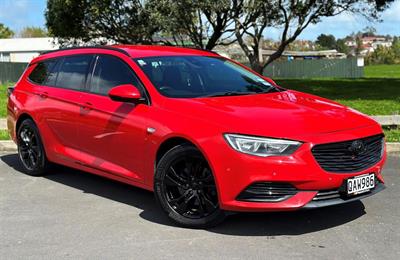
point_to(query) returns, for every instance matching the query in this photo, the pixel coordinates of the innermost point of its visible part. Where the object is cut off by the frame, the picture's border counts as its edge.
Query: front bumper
(235, 171)
(336, 201)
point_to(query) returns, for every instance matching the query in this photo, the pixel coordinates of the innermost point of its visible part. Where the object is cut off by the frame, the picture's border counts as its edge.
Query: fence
(335, 68)
(11, 71)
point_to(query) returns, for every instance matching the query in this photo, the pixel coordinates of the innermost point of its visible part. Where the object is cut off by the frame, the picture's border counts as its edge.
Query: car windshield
(201, 76)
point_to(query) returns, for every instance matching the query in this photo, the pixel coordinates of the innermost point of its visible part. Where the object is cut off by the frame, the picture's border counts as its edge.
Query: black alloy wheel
(185, 188)
(30, 149)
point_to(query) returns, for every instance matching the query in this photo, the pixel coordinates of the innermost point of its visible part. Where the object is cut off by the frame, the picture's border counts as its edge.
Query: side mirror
(125, 93)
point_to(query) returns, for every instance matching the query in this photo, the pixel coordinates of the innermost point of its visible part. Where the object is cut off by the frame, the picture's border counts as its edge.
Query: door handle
(44, 95)
(87, 106)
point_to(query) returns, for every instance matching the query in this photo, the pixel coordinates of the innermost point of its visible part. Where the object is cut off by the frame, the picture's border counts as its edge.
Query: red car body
(93, 133)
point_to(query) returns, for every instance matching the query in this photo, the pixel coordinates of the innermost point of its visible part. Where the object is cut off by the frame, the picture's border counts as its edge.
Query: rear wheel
(30, 149)
(185, 188)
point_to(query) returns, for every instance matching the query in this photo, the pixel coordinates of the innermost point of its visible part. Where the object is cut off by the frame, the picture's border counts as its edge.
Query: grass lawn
(372, 96)
(3, 99)
(392, 135)
(4, 135)
(382, 71)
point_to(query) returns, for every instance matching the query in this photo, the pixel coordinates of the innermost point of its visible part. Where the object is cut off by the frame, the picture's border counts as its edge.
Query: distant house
(326, 54)
(24, 49)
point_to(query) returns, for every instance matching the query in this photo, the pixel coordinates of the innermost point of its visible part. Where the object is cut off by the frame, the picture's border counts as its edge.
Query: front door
(112, 134)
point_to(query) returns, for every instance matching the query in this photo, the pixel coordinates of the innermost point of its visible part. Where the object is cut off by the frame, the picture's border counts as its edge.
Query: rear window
(73, 71)
(41, 71)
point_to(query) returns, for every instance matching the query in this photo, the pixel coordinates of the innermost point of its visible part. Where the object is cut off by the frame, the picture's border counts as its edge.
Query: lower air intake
(267, 192)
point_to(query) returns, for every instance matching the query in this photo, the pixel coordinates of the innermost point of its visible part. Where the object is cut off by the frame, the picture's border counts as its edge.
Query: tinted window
(72, 72)
(196, 76)
(52, 75)
(41, 71)
(110, 72)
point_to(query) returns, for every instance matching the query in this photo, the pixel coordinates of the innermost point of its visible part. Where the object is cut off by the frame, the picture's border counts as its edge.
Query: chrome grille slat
(336, 157)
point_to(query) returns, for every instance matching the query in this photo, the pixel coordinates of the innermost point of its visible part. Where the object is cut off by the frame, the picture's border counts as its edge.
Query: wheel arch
(168, 144)
(23, 116)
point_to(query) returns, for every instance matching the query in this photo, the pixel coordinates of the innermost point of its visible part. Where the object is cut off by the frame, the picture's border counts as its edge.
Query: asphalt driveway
(74, 215)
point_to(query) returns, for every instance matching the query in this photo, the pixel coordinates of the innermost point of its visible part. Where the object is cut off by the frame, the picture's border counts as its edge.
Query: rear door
(112, 134)
(59, 99)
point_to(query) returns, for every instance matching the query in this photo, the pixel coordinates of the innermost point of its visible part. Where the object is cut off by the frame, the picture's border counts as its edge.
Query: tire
(30, 149)
(185, 189)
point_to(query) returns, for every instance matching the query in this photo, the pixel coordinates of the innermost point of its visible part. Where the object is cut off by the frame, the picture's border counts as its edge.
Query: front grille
(349, 156)
(267, 192)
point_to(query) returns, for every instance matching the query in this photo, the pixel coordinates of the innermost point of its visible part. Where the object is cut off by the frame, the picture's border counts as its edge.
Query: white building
(25, 49)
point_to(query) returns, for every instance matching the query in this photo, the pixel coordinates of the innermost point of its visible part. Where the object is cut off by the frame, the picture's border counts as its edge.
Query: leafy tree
(369, 31)
(326, 41)
(396, 47)
(204, 24)
(292, 17)
(100, 20)
(341, 46)
(5, 32)
(33, 32)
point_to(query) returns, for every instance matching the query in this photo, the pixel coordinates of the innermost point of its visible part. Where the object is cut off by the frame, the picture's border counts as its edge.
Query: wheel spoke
(189, 187)
(32, 159)
(176, 175)
(201, 206)
(181, 208)
(170, 181)
(208, 204)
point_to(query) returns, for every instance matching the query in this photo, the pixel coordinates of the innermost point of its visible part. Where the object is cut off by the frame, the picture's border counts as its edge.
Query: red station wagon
(203, 132)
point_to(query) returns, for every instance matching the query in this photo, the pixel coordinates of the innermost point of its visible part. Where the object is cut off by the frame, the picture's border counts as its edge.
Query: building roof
(325, 53)
(28, 44)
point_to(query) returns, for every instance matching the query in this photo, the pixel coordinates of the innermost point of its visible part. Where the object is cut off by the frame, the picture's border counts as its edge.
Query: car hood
(286, 114)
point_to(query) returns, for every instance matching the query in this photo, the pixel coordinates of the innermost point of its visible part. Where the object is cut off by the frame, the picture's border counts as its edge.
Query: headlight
(261, 146)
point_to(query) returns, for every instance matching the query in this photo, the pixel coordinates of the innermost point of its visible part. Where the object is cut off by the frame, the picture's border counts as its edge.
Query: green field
(3, 99)
(4, 135)
(382, 71)
(376, 94)
(373, 96)
(392, 135)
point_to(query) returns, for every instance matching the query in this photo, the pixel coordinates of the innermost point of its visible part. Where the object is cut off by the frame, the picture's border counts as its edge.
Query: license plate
(360, 184)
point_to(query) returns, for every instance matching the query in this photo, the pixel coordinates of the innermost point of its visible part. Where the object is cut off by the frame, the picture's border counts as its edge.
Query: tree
(292, 17)
(326, 41)
(396, 47)
(369, 31)
(100, 21)
(5, 32)
(341, 46)
(201, 23)
(32, 32)
(193, 22)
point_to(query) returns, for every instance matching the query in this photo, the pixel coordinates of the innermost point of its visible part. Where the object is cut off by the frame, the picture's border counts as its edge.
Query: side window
(52, 76)
(109, 72)
(72, 72)
(41, 71)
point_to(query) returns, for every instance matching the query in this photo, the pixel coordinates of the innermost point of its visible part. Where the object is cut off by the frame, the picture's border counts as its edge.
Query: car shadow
(239, 224)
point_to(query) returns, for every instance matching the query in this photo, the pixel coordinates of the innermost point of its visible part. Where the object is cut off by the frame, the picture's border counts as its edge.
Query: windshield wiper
(229, 93)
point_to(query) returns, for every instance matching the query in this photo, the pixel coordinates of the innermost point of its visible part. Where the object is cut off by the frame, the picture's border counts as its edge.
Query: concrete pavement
(74, 215)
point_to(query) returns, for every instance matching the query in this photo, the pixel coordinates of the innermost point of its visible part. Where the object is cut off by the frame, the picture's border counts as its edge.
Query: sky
(17, 14)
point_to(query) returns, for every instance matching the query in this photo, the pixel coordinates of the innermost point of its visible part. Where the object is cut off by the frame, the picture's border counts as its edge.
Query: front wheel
(184, 187)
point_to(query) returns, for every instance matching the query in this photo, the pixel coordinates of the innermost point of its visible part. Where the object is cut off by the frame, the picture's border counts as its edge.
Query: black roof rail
(199, 49)
(90, 47)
